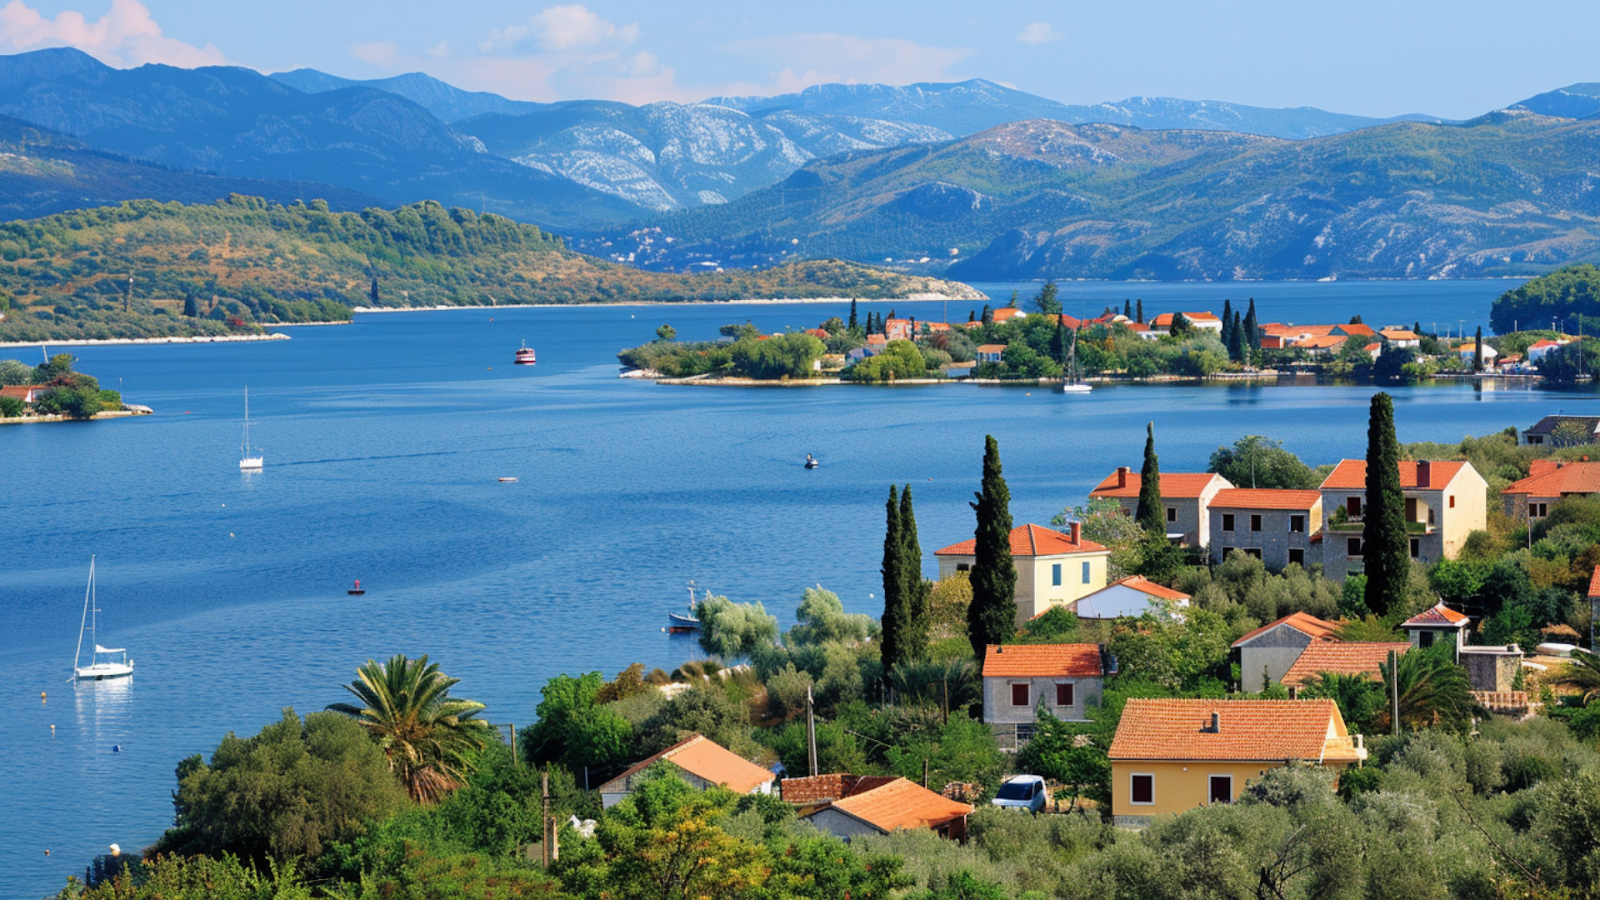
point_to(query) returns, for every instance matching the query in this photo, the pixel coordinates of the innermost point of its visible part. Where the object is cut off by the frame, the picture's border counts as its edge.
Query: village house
(991, 353)
(1020, 679)
(1538, 350)
(848, 806)
(1267, 653)
(1185, 500)
(898, 329)
(1444, 502)
(1276, 526)
(1469, 352)
(1200, 321)
(1170, 756)
(1006, 314)
(1132, 596)
(1437, 624)
(1548, 483)
(1325, 657)
(1401, 337)
(1321, 345)
(1053, 569)
(701, 762)
(1562, 431)
(27, 393)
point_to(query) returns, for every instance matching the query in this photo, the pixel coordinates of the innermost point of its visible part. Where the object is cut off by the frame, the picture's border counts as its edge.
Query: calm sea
(384, 441)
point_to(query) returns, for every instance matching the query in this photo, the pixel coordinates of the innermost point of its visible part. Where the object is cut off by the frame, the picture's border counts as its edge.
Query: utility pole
(1394, 693)
(127, 295)
(811, 733)
(551, 851)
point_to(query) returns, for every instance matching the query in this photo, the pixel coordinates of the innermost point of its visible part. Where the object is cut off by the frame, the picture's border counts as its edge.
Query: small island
(52, 392)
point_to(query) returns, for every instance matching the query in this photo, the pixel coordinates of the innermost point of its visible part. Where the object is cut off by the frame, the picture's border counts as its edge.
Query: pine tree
(1227, 324)
(1149, 513)
(1477, 350)
(992, 617)
(1356, 319)
(988, 315)
(893, 621)
(1252, 331)
(1386, 545)
(852, 325)
(1141, 309)
(914, 591)
(1046, 301)
(1013, 303)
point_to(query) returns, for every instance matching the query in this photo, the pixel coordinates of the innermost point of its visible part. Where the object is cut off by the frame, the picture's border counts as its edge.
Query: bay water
(384, 442)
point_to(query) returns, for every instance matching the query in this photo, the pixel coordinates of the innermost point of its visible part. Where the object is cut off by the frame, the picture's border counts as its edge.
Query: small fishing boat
(249, 461)
(358, 590)
(508, 478)
(525, 356)
(679, 623)
(811, 461)
(116, 663)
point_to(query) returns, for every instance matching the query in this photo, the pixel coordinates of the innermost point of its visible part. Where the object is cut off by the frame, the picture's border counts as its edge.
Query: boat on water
(679, 622)
(358, 590)
(104, 662)
(1074, 383)
(250, 460)
(811, 461)
(508, 478)
(525, 356)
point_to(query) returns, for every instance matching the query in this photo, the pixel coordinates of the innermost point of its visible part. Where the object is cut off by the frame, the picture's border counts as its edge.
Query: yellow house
(1175, 755)
(1053, 569)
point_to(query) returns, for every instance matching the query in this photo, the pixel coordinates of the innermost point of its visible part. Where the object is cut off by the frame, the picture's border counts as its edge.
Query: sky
(1369, 57)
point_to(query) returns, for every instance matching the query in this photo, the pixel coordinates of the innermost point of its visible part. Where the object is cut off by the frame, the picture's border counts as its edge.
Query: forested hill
(238, 263)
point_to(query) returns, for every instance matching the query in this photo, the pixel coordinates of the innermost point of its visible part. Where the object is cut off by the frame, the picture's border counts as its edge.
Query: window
(1297, 556)
(1537, 510)
(1253, 551)
(1085, 573)
(1143, 789)
(1055, 574)
(1227, 521)
(1452, 502)
(1255, 522)
(1352, 547)
(1172, 514)
(963, 567)
(1353, 506)
(1221, 790)
(1414, 548)
(1025, 732)
(1019, 694)
(1297, 524)
(1063, 694)
(1424, 639)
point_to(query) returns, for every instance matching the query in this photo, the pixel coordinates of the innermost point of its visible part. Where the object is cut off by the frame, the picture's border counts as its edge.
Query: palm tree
(1360, 699)
(428, 736)
(952, 683)
(1433, 690)
(1582, 672)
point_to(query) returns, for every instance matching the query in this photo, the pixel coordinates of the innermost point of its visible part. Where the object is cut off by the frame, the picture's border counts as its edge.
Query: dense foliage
(68, 393)
(1568, 296)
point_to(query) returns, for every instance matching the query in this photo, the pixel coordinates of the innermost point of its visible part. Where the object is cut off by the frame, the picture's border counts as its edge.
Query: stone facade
(1277, 537)
(1442, 512)
(1492, 668)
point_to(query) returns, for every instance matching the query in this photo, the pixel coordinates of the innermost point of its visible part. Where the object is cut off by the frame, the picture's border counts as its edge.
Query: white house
(700, 761)
(1132, 596)
(1053, 569)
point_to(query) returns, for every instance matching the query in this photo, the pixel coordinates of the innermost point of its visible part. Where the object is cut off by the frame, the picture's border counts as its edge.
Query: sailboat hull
(103, 671)
(250, 464)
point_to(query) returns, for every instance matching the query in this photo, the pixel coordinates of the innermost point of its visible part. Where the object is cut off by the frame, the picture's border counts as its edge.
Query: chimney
(1424, 473)
(1216, 722)
(1077, 532)
(1122, 476)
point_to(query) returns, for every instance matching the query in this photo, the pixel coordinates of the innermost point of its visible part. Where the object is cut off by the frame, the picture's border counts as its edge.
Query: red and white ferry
(525, 356)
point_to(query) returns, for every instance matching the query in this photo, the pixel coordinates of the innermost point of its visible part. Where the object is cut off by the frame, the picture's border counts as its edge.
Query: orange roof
(1553, 479)
(1323, 342)
(1177, 485)
(22, 391)
(1265, 498)
(1145, 586)
(1253, 730)
(1594, 583)
(1351, 474)
(1007, 313)
(1305, 623)
(812, 789)
(902, 804)
(1398, 334)
(991, 348)
(1165, 319)
(705, 759)
(877, 339)
(1340, 658)
(1356, 329)
(1042, 661)
(1029, 540)
(1436, 616)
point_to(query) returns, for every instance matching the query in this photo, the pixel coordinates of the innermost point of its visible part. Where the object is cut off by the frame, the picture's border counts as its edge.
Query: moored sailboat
(248, 462)
(116, 663)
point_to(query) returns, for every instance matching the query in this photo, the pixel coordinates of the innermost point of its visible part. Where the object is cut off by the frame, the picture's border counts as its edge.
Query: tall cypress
(1386, 547)
(1416, 327)
(988, 315)
(972, 315)
(1227, 322)
(852, 325)
(1252, 331)
(191, 308)
(1141, 309)
(914, 591)
(893, 621)
(1058, 342)
(1235, 339)
(1149, 513)
(1477, 350)
(1127, 309)
(992, 617)
(373, 293)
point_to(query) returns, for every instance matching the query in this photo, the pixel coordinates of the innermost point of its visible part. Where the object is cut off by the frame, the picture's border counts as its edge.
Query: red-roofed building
(1185, 500)
(1200, 321)
(1019, 678)
(1170, 756)
(1548, 483)
(1007, 313)
(1538, 350)
(1275, 526)
(1400, 337)
(871, 806)
(897, 329)
(1327, 657)
(1267, 653)
(1435, 624)
(1053, 569)
(700, 761)
(990, 353)
(27, 393)
(1445, 501)
(1132, 596)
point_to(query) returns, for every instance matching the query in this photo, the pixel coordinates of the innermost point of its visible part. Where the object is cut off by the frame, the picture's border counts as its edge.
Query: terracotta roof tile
(1041, 661)
(1007, 313)
(1548, 478)
(991, 348)
(1265, 498)
(1438, 615)
(1357, 329)
(1146, 586)
(1304, 623)
(1323, 342)
(902, 804)
(704, 758)
(1029, 540)
(1399, 334)
(1253, 730)
(1177, 485)
(828, 788)
(1351, 474)
(1340, 658)
(1594, 583)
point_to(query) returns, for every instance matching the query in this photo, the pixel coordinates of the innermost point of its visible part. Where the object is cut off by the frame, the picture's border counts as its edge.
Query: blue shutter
(1055, 574)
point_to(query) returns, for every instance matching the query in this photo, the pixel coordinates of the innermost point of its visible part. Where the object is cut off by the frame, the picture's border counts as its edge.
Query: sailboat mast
(78, 653)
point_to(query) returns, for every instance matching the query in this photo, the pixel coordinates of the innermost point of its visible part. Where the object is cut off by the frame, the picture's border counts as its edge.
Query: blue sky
(1373, 57)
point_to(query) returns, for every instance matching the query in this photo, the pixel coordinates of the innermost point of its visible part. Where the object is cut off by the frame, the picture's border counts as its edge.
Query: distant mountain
(1575, 101)
(1508, 193)
(44, 172)
(449, 103)
(238, 123)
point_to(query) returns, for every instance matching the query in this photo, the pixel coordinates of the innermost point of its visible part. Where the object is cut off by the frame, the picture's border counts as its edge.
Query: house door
(1221, 789)
(1411, 509)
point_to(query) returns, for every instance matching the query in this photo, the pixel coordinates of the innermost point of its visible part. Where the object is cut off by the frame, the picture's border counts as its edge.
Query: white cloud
(125, 35)
(563, 28)
(376, 53)
(1039, 33)
(807, 59)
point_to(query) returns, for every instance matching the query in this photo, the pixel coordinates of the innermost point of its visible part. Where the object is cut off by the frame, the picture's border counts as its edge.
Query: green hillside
(237, 264)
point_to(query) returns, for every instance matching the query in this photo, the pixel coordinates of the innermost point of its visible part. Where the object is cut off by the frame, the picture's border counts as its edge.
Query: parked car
(1022, 792)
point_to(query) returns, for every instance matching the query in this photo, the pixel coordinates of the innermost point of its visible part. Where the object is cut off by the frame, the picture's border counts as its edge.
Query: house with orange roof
(1437, 624)
(1539, 349)
(1007, 313)
(1445, 501)
(1325, 657)
(991, 353)
(700, 761)
(1469, 351)
(1401, 337)
(897, 329)
(1132, 596)
(848, 806)
(1020, 679)
(1053, 569)
(27, 393)
(1185, 500)
(1170, 756)
(1549, 482)
(1267, 653)
(1276, 526)
(1322, 345)
(1200, 321)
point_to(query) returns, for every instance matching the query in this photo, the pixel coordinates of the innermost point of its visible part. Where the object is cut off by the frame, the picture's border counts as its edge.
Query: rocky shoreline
(200, 339)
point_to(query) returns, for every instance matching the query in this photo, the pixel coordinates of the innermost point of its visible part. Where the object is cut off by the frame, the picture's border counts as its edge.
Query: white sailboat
(1074, 385)
(247, 462)
(116, 663)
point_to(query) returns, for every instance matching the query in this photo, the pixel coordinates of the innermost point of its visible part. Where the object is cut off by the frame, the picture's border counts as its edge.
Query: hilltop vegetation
(245, 261)
(1571, 295)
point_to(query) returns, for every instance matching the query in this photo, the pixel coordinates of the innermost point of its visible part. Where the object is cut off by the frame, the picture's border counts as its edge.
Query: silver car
(1022, 792)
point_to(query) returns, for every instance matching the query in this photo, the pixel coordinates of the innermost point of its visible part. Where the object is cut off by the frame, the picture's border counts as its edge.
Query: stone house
(848, 806)
(1019, 679)
(1444, 502)
(1562, 430)
(1278, 527)
(1437, 624)
(1267, 653)
(1548, 483)
(700, 761)
(1185, 500)
(1053, 569)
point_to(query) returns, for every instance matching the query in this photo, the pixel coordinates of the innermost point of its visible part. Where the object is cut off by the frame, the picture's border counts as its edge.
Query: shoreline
(767, 301)
(1285, 379)
(107, 414)
(203, 339)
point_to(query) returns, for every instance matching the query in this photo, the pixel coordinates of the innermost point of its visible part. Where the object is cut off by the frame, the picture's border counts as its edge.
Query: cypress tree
(1235, 340)
(1477, 350)
(893, 576)
(1386, 547)
(972, 315)
(373, 292)
(1141, 309)
(1127, 309)
(1252, 333)
(988, 315)
(1416, 327)
(191, 308)
(1149, 514)
(852, 325)
(1227, 322)
(1058, 343)
(992, 617)
(914, 591)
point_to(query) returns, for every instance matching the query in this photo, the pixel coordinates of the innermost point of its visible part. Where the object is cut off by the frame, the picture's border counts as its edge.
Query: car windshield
(1015, 791)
